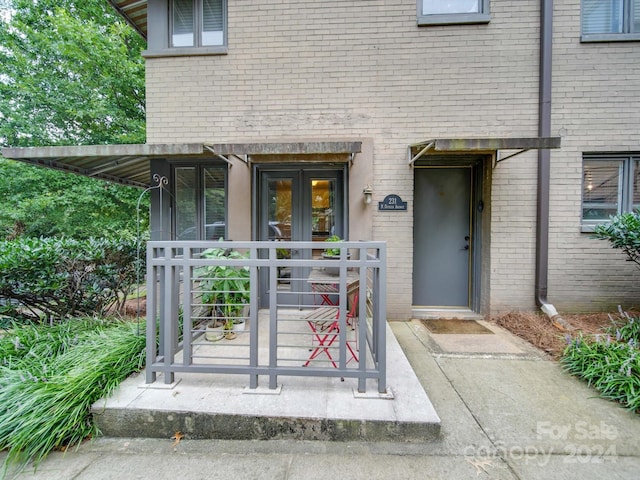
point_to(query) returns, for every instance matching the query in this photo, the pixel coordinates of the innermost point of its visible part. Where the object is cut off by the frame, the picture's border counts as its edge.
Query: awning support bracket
(244, 160)
(421, 152)
(498, 159)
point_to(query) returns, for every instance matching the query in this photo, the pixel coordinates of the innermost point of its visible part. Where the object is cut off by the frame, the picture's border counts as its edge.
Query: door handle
(467, 238)
(466, 247)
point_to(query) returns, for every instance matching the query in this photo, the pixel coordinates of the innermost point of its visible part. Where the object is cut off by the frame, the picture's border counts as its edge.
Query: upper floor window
(197, 23)
(607, 20)
(610, 186)
(439, 12)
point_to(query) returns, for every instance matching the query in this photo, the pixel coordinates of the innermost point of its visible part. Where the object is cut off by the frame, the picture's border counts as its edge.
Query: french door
(298, 204)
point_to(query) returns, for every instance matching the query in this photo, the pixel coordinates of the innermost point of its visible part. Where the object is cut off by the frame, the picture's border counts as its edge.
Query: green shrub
(59, 278)
(623, 232)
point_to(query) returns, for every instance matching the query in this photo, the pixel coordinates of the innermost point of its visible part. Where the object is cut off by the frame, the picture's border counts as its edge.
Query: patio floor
(306, 408)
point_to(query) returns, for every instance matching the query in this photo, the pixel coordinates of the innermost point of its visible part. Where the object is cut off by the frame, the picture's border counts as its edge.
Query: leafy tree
(70, 73)
(37, 202)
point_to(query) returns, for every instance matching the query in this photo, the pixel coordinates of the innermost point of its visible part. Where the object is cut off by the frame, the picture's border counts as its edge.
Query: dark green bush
(623, 232)
(54, 278)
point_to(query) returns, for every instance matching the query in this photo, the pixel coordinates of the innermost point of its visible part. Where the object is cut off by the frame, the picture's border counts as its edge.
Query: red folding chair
(325, 325)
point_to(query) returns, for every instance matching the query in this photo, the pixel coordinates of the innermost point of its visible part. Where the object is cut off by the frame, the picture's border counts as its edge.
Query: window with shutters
(610, 20)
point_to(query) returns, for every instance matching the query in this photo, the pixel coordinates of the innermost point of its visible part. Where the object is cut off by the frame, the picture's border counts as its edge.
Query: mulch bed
(538, 330)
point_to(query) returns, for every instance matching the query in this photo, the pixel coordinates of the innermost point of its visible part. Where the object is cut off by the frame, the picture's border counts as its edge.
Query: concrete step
(216, 406)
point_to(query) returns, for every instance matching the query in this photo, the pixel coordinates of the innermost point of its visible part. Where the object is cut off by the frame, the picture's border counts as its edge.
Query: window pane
(323, 194)
(280, 208)
(600, 189)
(635, 16)
(214, 203)
(182, 28)
(435, 7)
(602, 16)
(186, 221)
(212, 22)
(636, 184)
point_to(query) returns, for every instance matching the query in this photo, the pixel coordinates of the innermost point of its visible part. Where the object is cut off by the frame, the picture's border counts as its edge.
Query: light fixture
(368, 192)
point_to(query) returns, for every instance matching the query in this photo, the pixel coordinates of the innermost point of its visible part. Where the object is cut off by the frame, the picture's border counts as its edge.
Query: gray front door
(442, 237)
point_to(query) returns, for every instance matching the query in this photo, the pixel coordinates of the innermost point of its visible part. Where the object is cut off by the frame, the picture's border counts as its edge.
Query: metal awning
(134, 12)
(481, 145)
(130, 164)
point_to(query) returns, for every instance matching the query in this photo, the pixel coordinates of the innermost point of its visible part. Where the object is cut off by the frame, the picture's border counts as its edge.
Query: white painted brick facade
(354, 69)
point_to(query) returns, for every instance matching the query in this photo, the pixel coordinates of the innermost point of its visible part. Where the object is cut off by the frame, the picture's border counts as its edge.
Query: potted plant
(333, 253)
(226, 293)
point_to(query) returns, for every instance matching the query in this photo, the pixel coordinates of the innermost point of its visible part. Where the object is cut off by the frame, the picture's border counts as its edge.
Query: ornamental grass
(609, 362)
(50, 376)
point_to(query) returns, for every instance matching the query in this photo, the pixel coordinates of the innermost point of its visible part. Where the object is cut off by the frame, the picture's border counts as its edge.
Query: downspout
(544, 157)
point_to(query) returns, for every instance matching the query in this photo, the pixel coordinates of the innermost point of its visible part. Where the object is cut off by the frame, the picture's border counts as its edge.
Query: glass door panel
(280, 195)
(279, 227)
(323, 209)
(298, 205)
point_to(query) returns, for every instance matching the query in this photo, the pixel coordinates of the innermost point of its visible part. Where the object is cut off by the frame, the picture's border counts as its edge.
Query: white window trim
(454, 18)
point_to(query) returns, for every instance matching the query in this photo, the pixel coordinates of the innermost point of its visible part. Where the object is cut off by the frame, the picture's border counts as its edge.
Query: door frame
(301, 172)
(477, 163)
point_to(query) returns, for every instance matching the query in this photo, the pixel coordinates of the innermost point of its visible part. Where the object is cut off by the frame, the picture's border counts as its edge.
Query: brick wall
(596, 108)
(347, 68)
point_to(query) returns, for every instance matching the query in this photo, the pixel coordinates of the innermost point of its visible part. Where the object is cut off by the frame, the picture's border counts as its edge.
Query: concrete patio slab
(307, 408)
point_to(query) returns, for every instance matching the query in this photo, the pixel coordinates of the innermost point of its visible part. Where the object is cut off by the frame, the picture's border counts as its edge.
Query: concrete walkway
(506, 412)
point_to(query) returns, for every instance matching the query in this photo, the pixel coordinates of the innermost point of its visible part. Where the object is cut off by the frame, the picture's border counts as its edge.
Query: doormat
(455, 326)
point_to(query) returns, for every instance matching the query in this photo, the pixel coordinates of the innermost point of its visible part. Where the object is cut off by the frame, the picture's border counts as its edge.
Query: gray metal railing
(316, 324)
